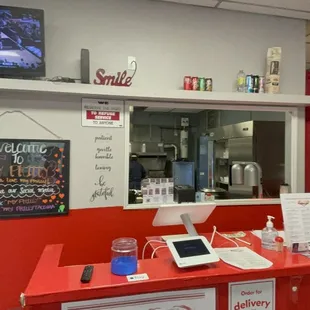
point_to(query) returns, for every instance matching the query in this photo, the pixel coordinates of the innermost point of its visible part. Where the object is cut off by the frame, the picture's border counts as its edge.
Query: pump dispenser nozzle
(269, 223)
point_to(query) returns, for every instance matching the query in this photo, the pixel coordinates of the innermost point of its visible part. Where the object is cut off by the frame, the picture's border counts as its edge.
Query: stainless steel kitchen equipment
(254, 141)
(248, 174)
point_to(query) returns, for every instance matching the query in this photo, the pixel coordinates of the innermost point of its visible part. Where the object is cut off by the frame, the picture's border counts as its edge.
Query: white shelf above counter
(15, 86)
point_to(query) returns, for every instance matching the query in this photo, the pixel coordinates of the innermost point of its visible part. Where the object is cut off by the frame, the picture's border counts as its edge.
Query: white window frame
(294, 145)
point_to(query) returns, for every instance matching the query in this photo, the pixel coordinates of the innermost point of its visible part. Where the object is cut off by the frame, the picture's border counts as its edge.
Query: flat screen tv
(22, 46)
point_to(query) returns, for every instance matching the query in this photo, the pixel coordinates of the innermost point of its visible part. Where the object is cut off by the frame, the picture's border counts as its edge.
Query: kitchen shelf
(151, 154)
(15, 86)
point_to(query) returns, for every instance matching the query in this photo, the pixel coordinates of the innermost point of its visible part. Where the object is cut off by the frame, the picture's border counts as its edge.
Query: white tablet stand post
(188, 224)
(187, 214)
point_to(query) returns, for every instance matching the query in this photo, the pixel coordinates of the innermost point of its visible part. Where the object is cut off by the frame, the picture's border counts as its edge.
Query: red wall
(87, 235)
(307, 150)
(307, 146)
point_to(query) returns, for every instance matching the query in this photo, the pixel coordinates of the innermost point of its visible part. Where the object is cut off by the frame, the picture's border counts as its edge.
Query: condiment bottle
(279, 244)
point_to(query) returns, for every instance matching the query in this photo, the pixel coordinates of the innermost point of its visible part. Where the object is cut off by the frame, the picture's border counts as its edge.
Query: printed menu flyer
(296, 215)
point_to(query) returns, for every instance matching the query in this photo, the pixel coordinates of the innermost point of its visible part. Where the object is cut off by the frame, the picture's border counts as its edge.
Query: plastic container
(124, 256)
(143, 148)
(269, 235)
(241, 81)
(279, 244)
(284, 188)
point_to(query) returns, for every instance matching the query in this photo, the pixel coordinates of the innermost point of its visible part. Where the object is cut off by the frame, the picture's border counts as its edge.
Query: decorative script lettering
(120, 79)
(103, 154)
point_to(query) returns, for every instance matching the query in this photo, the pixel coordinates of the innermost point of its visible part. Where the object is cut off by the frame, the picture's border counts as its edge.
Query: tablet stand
(187, 222)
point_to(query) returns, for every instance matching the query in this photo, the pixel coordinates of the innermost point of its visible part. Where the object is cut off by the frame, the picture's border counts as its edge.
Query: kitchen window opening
(196, 153)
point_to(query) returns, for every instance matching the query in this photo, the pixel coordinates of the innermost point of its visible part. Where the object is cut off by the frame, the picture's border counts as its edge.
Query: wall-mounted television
(22, 46)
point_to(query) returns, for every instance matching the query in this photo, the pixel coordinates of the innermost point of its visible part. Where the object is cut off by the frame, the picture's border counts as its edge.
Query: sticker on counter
(137, 277)
(102, 113)
(254, 295)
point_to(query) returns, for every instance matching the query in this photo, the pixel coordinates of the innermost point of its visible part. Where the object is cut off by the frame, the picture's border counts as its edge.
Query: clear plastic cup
(124, 256)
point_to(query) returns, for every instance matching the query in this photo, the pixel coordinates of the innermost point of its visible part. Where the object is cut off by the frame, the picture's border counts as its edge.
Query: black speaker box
(85, 75)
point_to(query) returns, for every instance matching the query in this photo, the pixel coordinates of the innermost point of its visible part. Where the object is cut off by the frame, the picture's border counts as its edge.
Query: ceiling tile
(264, 10)
(300, 5)
(209, 3)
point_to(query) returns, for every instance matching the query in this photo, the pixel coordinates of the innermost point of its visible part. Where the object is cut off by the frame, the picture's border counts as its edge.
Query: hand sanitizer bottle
(269, 234)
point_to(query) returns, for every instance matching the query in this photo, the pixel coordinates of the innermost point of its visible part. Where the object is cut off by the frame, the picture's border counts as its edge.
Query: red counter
(52, 285)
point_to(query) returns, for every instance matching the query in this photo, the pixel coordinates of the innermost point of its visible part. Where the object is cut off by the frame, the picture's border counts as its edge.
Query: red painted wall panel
(307, 134)
(307, 150)
(87, 236)
(87, 233)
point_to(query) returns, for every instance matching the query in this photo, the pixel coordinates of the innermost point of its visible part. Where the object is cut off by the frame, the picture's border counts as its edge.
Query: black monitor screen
(190, 248)
(21, 42)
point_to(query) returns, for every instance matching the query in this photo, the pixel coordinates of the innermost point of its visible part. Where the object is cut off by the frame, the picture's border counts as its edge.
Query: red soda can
(188, 83)
(195, 83)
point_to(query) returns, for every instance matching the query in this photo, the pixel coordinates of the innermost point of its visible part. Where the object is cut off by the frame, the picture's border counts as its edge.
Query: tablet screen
(190, 248)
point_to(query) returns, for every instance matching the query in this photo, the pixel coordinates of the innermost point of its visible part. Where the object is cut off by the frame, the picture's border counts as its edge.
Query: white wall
(62, 116)
(169, 41)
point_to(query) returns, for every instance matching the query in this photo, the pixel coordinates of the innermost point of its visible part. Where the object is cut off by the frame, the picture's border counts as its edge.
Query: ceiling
(288, 8)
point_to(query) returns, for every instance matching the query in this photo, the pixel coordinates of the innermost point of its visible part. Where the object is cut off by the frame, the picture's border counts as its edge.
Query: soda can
(195, 83)
(256, 83)
(202, 84)
(261, 84)
(209, 84)
(188, 83)
(249, 84)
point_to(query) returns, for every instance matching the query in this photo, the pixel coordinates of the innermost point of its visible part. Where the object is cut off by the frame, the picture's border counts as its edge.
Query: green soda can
(202, 84)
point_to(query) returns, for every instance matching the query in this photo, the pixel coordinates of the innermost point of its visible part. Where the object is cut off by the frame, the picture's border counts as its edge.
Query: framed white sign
(200, 299)
(254, 295)
(102, 113)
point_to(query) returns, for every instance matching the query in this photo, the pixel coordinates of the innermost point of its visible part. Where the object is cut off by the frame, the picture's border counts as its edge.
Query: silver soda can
(209, 84)
(261, 84)
(249, 84)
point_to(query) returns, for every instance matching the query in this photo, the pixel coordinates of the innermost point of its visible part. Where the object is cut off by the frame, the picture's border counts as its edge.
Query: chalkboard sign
(34, 177)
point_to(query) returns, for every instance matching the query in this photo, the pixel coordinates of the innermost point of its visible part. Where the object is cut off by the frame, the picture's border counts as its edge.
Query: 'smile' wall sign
(34, 177)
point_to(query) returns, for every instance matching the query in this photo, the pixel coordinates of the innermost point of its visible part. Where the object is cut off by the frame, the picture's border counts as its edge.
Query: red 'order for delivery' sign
(103, 115)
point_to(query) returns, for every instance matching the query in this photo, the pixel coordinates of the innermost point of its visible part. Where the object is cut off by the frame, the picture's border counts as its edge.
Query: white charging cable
(216, 232)
(150, 241)
(160, 247)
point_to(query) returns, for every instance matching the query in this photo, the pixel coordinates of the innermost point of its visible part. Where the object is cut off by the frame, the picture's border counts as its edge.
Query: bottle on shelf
(241, 81)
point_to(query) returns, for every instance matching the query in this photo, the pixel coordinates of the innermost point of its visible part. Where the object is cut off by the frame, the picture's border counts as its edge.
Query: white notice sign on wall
(201, 299)
(102, 113)
(254, 295)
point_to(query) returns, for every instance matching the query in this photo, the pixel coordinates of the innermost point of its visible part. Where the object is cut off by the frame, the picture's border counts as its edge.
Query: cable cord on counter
(216, 232)
(150, 241)
(160, 247)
